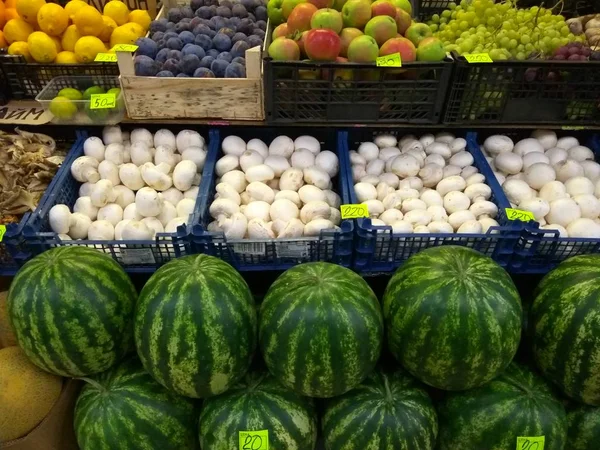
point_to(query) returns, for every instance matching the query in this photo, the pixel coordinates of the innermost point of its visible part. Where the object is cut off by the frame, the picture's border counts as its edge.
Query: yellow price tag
(574, 128)
(106, 57)
(393, 60)
(354, 211)
(519, 214)
(254, 440)
(2, 231)
(124, 48)
(531, 443)
(478, 58)
(103, 101)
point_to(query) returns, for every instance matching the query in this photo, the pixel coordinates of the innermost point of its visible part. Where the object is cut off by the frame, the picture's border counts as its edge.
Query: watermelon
(195, 326)
(124, 408)
(566, 328)
(387, 411)
(519, 403)
(320, 329)
(72, 311)
(258, 402)
(453, 317)
(584, 427)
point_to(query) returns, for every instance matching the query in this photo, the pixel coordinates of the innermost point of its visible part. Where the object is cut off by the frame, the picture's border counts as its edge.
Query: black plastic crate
(299, 91)
(423, 10)
(532, 92)
(26, 80)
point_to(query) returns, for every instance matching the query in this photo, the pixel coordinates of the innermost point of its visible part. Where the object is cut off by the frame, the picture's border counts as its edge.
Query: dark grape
(552, 76)
(586, 51)
(559, 58)
(530, 75)
(595, 56)
(573, 50)
(574, 58)
(562, 51)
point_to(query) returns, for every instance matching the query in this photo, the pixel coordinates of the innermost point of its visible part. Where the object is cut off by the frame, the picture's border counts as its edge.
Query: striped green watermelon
(320, 329)
(453, 317)
(566, 328)
(518, 403)
(124, 408)
(195, 326)
(584, 427)
(258, 402)
(387, 411)
(72, 311)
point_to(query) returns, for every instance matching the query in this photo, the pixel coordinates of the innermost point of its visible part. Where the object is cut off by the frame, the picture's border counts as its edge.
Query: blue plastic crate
(378, 250)
(14, 251)
(539, 250)
(134, 256)
(271, 254)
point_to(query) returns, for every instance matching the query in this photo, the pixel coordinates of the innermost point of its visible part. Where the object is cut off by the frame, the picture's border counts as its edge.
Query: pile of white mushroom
(134, 185)
(554, 178)
(422, 185)
(282, 190)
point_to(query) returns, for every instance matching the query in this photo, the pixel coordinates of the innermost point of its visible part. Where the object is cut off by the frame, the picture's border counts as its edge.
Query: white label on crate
(249, 248)
(300, 249)
(137, 256)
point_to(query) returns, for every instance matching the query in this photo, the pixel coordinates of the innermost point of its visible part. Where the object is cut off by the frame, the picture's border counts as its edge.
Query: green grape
(513, 34)
(512, 44)
(467, 46)
(464, 3)
(454, 26)
(529, 47)
(495, 54)
(520, 48)
(489, 12)
(443, 26)
(460, 15)
(491, 21)
(463, 25)
(465, 35)
(565, 31)
(525, 39)
(433, 27)
(453, 15)
(527, 17)
(452, 5)
(555, 42)
(476, 22)
(478, 49)
(521, 56)
(504, 42)
(443, 21)
(435, 18)
(446, 13)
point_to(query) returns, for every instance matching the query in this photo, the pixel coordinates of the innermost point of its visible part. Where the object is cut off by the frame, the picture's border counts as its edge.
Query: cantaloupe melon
(7, 335)
(27, 394)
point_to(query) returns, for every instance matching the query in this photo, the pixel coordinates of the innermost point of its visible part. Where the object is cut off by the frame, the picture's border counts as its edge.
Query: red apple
(280, 31)
(417, 32)
(322, 45)
(403, 21)
(347, 35)
(288, 6)
(328, 18)
(284, 49)
(401, 45)
(383, 8)
(299, 19)
(363, 49)
(431, 49)
(300, 41)
(381, 28)
(322, 3)
(356, 13)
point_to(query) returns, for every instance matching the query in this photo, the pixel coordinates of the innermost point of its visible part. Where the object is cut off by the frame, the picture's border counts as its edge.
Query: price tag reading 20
(254, 440)
(531, 443)
(354, 211)
(518, 214)
(103, 101)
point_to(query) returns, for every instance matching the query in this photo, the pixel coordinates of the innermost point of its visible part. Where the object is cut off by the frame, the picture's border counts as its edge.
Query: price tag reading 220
(254, 440)
(518, 214)
(103, 101)
(354, 211)
(531, 443)
(478, 58)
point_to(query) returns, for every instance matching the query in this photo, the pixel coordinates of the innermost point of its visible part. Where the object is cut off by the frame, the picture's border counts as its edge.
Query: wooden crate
(193, 98)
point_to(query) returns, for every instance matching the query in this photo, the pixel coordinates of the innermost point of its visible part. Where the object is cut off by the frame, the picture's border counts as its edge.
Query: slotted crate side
(271, 254)
(535, 91)
(378, 249)
(14, 251)
(539, 250)
(134, 256)
(424, 9)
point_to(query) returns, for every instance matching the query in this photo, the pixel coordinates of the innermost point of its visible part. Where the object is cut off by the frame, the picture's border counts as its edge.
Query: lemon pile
(47, 32)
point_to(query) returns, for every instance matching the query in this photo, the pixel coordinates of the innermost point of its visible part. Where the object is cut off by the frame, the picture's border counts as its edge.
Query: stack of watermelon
(452, 318)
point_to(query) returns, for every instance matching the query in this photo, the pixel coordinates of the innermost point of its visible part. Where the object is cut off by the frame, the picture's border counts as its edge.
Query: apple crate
(193, 98)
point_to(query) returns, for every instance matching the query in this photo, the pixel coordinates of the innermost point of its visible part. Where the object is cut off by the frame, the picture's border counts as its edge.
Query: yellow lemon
(123, 35)
(109, 26)
(89, 21)
(87, 48)
(136, 29)
(41, 47)
(140, 17)
(117, 11)
(66, 58)
(28, 9)
(57, 43)
(52, 19)
(63, 107)
(17, 30)
(70, 36)
(73, 6)
(20, 48)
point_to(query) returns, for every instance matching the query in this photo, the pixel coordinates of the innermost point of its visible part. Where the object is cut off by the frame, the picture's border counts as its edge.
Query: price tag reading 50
(518, 214)
(103, 101)
(354, 211)
(254, 440)
(531, 443)
(393, 60)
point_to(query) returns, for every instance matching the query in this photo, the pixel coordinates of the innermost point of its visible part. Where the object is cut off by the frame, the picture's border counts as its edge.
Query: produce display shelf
(271, 254)
(379, 250)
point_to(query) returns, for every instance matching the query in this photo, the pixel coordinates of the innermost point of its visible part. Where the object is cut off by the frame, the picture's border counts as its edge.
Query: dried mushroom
(28, 162)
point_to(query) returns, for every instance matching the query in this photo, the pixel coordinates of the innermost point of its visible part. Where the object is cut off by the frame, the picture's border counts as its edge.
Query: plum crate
(271, 254)
(378, 250)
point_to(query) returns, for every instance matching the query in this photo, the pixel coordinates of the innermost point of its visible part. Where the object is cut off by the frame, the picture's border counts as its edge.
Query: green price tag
(124, 48)
(393, 60)
(354, 211)
(106, 57)
(531, 443)
(2, 231)
(478, 58)
(574, 128)
(103, 101)
(254, 440)
(519, 214)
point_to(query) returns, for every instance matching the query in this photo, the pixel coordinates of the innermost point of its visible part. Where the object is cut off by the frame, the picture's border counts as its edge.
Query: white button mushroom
(317, 177)
(458, 218)
(307, 142)
(79, 225)
(195, 154)
(258, 210)
(226, 164)
(453, 183)
(567, 142)
(166, 138)
(302, 158)
(233, 145)
(136, 230)
(101, 230)
(517, 191)
(291, 196)
(130, 213)
(235, 179)
(174, 195)
(59, 218)
(497, 144)
(250, 158)
(94, 148)
(528, 145)
(509, 163)
(102, 193)
(82, 205)
(461, 159)
(314, 227)
(439, 226)
(309, 193)
(431, 174)
(282, 146)
(568, 169)
(456, 201)
(405, 166)
(166, 155)
(584, 228)
(470, 227)
(260, 191)
(390, 216)
(155, 176)
(553, 191)
(148, 203)
(224, 207)
(375, 208)
(261, 172)
(184, 174)
(185, 207)
(314, 210)
(578, 186)
(258, 146)
(168, 212)
(131, 176)
(556, 155)
(85, 169)
(589, 206)
(188, 138)
(538, 206)
(563, 211)
(112, 213)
